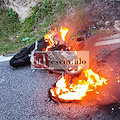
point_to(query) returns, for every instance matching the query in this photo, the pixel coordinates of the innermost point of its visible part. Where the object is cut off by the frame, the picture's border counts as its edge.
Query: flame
(63, 32)
(77, 90)
(50, 37)
(75, 52)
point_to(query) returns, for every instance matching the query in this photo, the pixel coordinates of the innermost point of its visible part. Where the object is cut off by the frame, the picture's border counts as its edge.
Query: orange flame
(77, 90)
(50, 37)
(63, 32)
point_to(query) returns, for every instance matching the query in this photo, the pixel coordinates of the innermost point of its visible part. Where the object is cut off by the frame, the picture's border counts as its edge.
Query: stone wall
(21, 7)
(1, 3)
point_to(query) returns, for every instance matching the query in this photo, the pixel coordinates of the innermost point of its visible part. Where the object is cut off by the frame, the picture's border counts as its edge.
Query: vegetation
(47, 12)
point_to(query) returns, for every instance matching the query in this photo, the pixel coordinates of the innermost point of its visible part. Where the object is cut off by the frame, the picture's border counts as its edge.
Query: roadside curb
(5, 58)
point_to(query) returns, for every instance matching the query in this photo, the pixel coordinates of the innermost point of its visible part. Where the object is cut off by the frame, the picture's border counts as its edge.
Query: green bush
(46, 12)
(9, 21)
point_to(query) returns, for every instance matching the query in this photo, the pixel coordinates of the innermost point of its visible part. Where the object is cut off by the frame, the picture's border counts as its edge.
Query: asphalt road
(24, 96)
(24, 93)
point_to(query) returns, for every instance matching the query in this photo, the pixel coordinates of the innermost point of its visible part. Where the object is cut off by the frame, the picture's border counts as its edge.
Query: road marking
(3, 58)
(108, 42)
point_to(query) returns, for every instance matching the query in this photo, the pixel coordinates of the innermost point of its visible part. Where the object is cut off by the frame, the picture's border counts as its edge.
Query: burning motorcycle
(52, 53)
(55, 47)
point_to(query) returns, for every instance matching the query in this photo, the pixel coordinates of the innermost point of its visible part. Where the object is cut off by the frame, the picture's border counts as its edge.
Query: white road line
(3, 58)
(108, 42)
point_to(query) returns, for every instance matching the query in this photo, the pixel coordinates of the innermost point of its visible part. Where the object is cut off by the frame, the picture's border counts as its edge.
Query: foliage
(9, 22)
(46, 12)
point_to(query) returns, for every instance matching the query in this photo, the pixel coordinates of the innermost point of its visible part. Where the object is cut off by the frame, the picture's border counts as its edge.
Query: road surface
(24, 96)
(24, 93)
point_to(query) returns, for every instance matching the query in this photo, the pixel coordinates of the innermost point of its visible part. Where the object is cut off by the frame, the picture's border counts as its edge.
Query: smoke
(77, 22)
(103, 59)
(106, 62)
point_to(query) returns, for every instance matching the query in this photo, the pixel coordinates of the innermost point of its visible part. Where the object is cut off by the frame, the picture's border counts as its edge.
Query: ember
(69, 89)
